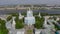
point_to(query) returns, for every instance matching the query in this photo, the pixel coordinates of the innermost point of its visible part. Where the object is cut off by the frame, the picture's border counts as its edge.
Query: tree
(3, 29)
(9, 18)
(19, 23)
(39, 22)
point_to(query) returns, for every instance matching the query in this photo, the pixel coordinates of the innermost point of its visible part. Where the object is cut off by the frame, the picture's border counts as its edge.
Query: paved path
(30, 29)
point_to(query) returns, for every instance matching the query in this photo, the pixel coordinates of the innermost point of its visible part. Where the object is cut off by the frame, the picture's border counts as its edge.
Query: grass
(29, 31)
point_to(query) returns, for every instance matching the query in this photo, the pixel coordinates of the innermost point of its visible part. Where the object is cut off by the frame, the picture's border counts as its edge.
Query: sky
(6, 2)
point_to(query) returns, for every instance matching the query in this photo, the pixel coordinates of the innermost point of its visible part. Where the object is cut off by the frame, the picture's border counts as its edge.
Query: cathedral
(29, 19)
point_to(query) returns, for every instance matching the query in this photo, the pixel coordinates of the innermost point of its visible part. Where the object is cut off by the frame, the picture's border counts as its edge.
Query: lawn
(29, 31)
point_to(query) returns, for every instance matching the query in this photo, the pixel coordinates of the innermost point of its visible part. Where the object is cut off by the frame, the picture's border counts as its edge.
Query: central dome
(29, 13)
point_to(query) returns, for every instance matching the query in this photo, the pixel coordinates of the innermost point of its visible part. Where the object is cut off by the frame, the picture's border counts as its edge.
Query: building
(30, 19)
(38, 31)
(20, 31)
(46, 31)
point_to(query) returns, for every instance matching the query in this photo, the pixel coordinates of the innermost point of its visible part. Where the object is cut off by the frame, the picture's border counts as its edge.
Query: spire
(29, 13)
(29, 9)
(39, 15)
(20, 14)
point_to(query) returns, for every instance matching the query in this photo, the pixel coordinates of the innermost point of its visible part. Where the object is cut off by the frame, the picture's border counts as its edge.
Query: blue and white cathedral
(29, 19)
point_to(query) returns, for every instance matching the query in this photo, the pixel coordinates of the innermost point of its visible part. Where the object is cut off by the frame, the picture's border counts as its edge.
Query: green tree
(9, 18)
(3, 29)
(19, 23)
(39, 22)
